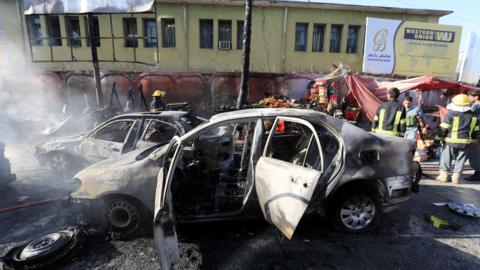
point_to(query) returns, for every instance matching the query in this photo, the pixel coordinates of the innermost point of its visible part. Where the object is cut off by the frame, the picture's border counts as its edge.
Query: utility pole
(96, 71)
(247, 31)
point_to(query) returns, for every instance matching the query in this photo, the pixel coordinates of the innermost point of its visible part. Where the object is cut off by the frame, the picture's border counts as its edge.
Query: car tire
(124, 217)
(45, 251)
(355, 211)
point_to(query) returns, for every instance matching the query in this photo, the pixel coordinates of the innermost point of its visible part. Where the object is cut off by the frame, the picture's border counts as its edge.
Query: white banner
(470, 67)
(379, 53)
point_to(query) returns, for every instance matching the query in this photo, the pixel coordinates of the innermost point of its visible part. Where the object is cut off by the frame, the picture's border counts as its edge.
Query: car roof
(268, 112)
(158, 115)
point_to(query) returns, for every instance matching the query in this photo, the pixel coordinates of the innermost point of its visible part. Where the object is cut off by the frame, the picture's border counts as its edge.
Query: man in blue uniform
(415, 118)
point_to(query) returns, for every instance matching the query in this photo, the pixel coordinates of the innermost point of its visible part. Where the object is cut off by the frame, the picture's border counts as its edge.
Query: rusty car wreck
(293, 162)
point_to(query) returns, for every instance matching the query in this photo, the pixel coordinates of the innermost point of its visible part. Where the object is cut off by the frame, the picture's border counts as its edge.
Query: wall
(272, 49)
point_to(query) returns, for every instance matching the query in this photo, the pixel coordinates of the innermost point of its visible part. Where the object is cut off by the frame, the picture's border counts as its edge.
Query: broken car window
(114, 132)
(159, 132)
(294, 143)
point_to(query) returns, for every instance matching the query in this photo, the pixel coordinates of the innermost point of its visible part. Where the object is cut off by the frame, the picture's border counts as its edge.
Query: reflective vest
(390, 119)
(459, 128)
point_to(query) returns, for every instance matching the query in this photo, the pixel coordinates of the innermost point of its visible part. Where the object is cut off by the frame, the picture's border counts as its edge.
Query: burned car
(290, 161)
(118, 135)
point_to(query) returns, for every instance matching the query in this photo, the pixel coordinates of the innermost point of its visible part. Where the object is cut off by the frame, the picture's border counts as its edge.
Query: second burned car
(291, 162)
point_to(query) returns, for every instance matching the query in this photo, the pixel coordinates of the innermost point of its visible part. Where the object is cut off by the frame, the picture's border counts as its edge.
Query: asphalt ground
(403, 240)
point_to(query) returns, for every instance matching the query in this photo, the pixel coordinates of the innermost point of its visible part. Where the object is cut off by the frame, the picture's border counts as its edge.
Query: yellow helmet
(460, 100)
(158, 93)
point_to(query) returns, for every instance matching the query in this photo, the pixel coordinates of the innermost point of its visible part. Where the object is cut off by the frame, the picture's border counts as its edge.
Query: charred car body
(290, 161)
(118, 135)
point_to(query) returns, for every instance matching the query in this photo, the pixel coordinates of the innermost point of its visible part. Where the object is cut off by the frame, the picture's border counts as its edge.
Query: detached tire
(355, 211)
(123, 215)
(46, 251)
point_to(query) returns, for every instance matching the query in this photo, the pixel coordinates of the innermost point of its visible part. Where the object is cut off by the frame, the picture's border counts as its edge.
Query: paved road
(403, 240)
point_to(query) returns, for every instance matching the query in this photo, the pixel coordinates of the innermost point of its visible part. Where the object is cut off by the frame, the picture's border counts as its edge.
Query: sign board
(470, 64)
(86, 6)
(411, 48)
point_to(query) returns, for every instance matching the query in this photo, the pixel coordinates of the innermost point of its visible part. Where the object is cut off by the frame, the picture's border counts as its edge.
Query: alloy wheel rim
(357, 212)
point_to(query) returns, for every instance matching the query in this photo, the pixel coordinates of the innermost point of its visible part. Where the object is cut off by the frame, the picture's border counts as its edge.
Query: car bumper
(398, 189)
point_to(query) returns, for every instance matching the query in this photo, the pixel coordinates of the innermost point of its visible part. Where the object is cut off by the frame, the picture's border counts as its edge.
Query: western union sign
(430, 35)
(411, 48)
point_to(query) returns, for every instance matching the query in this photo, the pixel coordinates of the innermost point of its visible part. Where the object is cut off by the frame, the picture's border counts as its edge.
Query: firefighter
(390, 116)
(458, 127)
(157, 103)
(474, 148)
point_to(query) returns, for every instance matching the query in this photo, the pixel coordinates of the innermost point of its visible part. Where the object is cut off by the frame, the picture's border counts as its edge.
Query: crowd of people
(459, 130)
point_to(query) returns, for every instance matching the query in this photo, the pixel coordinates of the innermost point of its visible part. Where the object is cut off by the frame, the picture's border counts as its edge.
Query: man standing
(458, 128)
(390, 116)
(415, 119)
(474, 148)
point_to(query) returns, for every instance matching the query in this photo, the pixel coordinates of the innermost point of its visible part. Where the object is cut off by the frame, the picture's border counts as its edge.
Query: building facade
(198, 36)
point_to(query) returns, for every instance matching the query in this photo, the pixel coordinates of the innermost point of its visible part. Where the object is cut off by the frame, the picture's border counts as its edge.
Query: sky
(465, 12)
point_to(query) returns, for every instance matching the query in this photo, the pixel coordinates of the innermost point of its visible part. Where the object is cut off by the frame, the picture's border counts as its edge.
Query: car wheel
(46, 250)
(123, 216)
(355, 211)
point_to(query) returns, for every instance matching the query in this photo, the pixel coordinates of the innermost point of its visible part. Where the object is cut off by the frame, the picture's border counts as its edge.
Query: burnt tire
(355, 211)
(46, 251)
(123, 216)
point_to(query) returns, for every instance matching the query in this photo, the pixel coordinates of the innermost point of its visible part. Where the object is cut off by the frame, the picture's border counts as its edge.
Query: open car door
(288, 172)
(166, 240)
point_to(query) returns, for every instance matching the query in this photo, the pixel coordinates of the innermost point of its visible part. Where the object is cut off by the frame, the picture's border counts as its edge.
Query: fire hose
(25, 205)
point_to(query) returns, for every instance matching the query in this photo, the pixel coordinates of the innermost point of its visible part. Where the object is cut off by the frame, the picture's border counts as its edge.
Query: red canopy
(368, 92)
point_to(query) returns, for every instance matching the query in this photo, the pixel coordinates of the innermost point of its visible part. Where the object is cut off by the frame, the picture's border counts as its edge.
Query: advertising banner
(470, 65)
(411, 48)
(85, 6)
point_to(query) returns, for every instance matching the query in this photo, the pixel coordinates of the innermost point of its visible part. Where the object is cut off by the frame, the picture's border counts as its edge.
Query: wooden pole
(247, 31)
(96, 71)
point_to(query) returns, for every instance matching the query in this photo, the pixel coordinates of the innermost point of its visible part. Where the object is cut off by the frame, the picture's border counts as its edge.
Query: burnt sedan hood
(60, 143)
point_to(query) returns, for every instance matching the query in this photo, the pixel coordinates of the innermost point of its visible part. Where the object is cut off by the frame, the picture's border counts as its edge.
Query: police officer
(157, 103)
(474, 148)
(458, 127)
(390, 116)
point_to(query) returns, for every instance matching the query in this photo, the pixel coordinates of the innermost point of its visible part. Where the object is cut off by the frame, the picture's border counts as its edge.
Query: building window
(130, 32)
(240, 34)
(150, 33)
(206, 34)
(318, 37)
(53, 30)
(35, 30)
(168, 33)
(73, 31)
(301, 37)
(335, 38)
(224, 34)
(352, 40)
(96, 31)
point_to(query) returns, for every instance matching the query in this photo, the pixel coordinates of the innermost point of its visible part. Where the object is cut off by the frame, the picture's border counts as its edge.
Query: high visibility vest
(459, 128)
(390, 119)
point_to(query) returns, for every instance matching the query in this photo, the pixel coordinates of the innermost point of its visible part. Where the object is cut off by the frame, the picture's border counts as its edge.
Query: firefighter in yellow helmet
(459, 128)
(157, 103)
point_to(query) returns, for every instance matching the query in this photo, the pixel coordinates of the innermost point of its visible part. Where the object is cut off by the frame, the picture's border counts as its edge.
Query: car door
(107, 141)
(288, 172)
(165, 235)
(164, 226)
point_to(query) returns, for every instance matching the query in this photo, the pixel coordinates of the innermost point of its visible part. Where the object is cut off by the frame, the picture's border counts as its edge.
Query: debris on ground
(439, 223)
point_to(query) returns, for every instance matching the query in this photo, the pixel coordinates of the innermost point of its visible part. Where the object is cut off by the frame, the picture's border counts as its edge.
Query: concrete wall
(272, 48)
